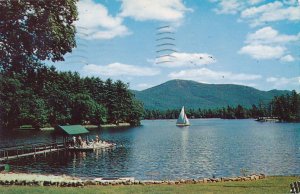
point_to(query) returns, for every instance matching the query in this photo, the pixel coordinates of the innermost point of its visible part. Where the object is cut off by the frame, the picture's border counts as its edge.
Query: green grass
(272, 185)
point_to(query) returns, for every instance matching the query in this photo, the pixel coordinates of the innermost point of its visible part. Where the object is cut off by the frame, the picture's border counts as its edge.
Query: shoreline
(270, 185)
(89, 127)
(31, 179)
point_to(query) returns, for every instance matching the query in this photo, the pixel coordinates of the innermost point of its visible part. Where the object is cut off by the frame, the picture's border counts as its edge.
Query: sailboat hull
(182, 125)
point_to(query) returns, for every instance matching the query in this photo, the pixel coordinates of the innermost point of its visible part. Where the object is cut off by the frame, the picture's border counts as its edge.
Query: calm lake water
(160, 150)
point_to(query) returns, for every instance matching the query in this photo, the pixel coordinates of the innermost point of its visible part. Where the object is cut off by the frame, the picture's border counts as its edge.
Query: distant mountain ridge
(177, 93)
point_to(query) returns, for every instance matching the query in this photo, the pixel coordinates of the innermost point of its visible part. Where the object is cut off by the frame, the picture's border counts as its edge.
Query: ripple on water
(160, 150)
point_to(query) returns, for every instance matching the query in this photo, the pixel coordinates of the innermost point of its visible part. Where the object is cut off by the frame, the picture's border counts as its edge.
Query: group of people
(80, 142)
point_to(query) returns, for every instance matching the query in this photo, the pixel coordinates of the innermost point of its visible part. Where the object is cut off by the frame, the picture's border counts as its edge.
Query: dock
(268, 119)
(20, 151)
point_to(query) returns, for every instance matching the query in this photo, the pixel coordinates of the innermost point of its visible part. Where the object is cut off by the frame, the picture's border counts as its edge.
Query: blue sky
(254, 42)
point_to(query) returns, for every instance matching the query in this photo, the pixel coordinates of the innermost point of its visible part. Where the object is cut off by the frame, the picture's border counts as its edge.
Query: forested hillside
(283, 108)
(176, 93)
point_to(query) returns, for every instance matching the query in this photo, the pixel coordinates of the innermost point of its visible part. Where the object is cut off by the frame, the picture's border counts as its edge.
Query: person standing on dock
(97, 139)
(74, 141)
(80, 141)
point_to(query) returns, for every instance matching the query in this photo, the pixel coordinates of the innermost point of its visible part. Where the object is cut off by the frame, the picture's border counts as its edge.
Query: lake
(160, 150)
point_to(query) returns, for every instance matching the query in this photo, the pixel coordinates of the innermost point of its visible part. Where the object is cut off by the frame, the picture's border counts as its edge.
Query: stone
(171, 183)
(142, 183)
(262, 176)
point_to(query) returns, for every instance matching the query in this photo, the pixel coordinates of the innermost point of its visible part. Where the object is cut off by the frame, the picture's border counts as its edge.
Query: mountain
(177, 93)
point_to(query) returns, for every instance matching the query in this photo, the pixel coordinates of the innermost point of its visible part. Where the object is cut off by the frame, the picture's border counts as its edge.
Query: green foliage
(45, 96)
(176, 93)
(238, 112)
(84, 108)
(286, 107)
(31, 93)
(35, 30)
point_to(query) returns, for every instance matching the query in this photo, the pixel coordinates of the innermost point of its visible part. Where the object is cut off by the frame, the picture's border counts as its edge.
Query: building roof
(73, 129)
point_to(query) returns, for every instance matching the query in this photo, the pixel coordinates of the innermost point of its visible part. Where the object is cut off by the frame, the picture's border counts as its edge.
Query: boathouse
(70, 130)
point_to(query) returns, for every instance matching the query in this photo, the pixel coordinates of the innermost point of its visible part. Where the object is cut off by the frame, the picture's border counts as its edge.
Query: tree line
(284, 107)
(45, 97)
(34, 94)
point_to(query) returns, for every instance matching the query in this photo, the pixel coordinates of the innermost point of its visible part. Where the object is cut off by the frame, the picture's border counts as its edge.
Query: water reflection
(160, 150)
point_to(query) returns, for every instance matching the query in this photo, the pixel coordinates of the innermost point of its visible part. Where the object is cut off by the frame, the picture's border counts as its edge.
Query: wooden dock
(16, 152)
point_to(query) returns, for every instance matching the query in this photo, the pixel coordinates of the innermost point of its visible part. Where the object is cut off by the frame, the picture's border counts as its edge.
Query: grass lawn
(278, 184)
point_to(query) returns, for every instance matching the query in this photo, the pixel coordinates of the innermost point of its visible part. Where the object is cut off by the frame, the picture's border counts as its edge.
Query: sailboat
(182, 119)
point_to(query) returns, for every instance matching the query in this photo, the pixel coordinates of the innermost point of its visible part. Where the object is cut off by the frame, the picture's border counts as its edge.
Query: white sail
(187, 122)
(182, 119)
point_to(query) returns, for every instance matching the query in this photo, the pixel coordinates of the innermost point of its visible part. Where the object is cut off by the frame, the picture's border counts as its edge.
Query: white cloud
(161, 10)
(261, 14)
(119, 69)
(258, 51)
(254, 11)
(287, 58)
(268, 35)
(209, 76)
(271, 12)
(285, 83)
(233, 6)
(185, 59)
(228, 6)
(268, 43)
(96, 23)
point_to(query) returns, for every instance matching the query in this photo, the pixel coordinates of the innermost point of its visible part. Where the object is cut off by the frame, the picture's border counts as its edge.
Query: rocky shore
(68, 181)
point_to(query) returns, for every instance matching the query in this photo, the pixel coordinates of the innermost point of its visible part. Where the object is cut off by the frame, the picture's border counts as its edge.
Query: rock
(205, 180)
(212, 180)
(46, 183)
(225, 179)
(142, 183)
(171, 183)
(248, 179)
(262, 176)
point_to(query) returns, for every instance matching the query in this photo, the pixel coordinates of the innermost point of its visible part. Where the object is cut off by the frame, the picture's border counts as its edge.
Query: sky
(145, 43)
